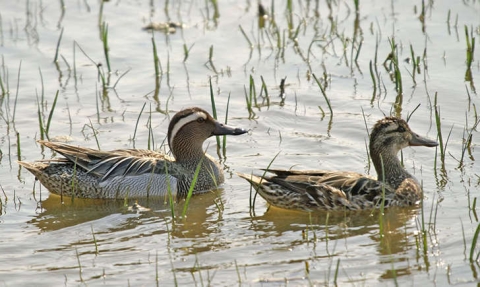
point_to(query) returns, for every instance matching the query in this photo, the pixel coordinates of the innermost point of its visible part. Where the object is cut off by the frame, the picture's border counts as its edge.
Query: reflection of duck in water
(337, 224)
(133, 173)
(335, 190)
(339, 237)
(198, 232)
(54, 213)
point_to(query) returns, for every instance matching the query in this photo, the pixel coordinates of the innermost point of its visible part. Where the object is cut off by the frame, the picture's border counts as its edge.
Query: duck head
(190, 127)
(392, 134)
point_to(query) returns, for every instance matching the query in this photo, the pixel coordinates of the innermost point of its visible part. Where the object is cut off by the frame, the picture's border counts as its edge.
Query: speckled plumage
(311, 190)
(133, 173)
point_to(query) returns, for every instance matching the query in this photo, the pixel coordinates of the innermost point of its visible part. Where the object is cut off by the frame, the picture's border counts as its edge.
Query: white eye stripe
(391, 128)
(184, 121)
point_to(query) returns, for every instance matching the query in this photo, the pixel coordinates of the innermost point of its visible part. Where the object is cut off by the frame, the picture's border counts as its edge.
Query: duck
(317, 190)
(136, 173)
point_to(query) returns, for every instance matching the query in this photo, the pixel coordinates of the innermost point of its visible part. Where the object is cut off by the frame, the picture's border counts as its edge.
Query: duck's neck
(389, 168)
(185, 151)
(190, 156)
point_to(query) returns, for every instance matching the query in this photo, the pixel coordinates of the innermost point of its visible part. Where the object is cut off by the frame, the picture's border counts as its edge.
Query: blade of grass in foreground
(212, 100)
(252, 200)
(156, 60)
(151, 138)
(94, 240)
(19, 152)
(79, 264)
(474, 243)
(382, 205)
(192, 186)
(248, 99)
(40, 123)
(439, 131)
(169, 192)
(224, 144)
(214, 112)
(16, 93)
(136, 125)
(104, 36)
(50, 115)
(2, 86)
(186, 51)
(95, 134)
(324, 94)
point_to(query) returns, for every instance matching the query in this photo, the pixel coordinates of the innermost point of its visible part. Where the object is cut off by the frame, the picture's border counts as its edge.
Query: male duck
(337, 190)
(89, 173)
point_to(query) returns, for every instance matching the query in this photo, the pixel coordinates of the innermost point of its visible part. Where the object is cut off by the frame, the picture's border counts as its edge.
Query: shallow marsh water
(222, 242)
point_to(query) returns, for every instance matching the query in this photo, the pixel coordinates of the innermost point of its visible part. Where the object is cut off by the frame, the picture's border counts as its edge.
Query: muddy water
(222, 242)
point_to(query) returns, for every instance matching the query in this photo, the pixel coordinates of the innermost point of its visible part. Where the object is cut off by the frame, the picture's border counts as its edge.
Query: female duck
(336, 190)
(89, 173)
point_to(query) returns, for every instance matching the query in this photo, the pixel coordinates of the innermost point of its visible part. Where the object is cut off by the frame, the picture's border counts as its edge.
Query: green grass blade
(474, 244)
(136, 124)
(50, 115)
(214, 110)
(192, 187)
(254, 197)
(324, 94)
(224, 143)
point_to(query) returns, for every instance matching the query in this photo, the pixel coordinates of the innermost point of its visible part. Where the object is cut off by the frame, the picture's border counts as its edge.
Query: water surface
(222, 241)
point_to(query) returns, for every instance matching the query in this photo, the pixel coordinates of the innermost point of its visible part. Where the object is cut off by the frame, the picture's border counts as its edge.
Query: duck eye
(401, 129)
(200, 120)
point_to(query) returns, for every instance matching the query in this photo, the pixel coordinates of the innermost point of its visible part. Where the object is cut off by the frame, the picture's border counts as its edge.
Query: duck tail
(254, 180)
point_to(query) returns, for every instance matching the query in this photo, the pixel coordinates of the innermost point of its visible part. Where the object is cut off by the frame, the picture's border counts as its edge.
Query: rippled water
(222, 241)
